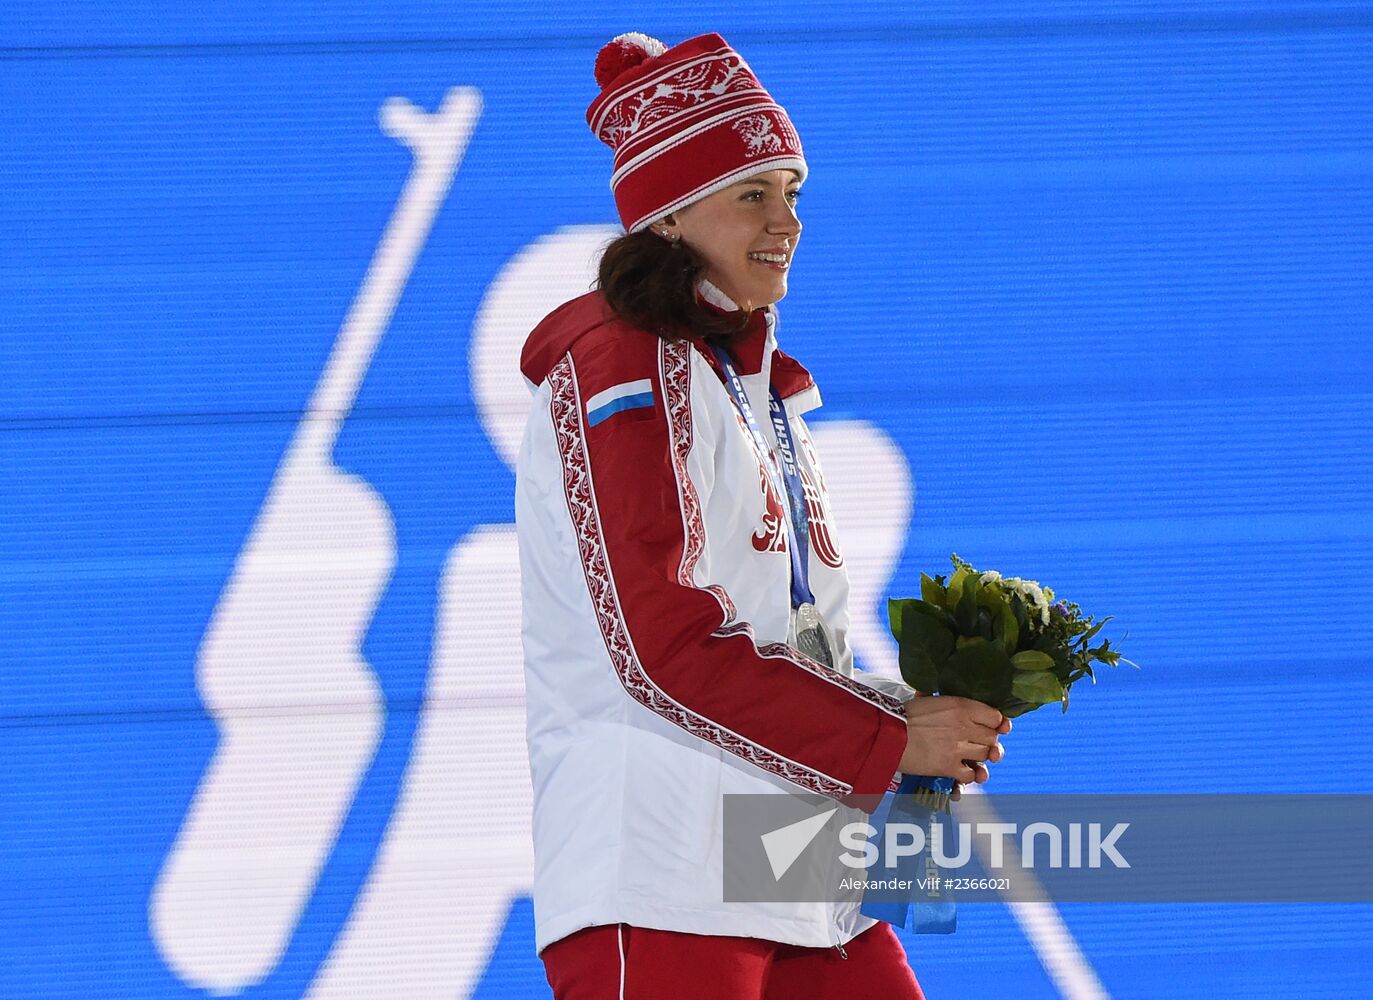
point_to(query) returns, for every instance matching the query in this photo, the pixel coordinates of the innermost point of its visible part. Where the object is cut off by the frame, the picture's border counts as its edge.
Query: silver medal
(812, 638)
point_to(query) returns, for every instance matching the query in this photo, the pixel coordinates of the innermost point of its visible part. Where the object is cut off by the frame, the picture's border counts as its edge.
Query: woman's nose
(785, 222)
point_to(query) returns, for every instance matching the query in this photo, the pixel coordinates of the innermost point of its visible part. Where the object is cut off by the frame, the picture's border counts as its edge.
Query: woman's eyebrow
(764, 181)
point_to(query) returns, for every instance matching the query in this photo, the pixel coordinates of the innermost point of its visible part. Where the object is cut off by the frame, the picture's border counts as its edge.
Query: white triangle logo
(785, 844)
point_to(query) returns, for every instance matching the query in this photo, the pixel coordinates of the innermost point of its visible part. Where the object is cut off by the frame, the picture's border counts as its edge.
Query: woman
(685, 608)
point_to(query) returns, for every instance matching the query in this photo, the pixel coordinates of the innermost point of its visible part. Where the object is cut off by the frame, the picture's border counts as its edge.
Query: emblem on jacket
(771, 536)
(822, 544)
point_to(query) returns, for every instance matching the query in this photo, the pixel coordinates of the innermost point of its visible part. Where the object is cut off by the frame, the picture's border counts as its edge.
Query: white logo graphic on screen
(299, 710)
(783, 846)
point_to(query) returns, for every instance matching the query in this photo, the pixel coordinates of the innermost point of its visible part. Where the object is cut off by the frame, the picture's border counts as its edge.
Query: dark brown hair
(652, 283)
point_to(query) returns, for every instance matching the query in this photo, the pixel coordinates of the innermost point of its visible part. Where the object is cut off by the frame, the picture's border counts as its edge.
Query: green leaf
(990, 596)
(985, 626)
(980, 671)
(1018, 609)
(1015, 707)
(1037, 686)
(894, 610)
(950, 682)
(933, 612)
(918, 670)
(931, 591)
(921, 630)
(966, 611)
(955, 587)
(1033, 659)
(972, 585)
(1010, 629)
(1094, 630)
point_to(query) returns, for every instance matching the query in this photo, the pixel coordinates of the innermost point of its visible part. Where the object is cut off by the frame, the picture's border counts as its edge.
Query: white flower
(990, 576)
(1031, 593)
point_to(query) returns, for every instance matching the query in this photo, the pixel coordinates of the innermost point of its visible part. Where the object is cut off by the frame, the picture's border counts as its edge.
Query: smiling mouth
(777, 262)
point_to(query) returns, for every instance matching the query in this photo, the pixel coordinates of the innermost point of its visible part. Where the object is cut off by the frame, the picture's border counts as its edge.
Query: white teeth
(772, 258)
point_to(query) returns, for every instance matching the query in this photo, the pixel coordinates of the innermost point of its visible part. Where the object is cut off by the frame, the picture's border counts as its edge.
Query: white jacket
(656, 604)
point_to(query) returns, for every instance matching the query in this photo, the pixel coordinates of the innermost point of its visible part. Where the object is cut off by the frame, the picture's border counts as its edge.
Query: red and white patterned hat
(684, 122)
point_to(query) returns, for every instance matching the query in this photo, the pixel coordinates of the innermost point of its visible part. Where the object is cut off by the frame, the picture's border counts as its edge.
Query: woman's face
(731, 227)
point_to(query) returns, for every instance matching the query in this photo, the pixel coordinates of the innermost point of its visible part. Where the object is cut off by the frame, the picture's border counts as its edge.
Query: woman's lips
(770, 264)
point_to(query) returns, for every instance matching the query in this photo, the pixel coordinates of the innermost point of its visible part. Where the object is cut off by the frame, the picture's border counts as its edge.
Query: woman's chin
(757, 294)
(769, 290)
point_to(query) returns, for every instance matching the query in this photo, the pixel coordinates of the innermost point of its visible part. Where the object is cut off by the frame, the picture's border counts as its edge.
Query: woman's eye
(757, 195)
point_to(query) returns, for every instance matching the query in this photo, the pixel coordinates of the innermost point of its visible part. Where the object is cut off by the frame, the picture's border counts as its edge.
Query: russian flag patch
(625, 396)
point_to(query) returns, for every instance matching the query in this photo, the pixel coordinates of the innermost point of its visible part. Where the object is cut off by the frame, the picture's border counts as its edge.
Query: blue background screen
(1086, 288)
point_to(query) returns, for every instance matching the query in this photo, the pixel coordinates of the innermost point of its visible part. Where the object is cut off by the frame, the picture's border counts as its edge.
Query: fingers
(973, 716)
(954, 737)
(971, 772)
(985, 715)
(981, 752)
(974, 750)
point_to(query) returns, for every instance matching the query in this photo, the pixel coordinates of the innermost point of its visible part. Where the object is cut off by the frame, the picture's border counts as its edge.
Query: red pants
(619, 962)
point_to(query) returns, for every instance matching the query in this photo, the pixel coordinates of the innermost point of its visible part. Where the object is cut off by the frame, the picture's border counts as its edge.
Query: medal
(812, 636)
(807, 631)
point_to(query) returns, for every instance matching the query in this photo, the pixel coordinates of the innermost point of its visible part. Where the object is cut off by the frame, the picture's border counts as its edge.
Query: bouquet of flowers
(999, 640)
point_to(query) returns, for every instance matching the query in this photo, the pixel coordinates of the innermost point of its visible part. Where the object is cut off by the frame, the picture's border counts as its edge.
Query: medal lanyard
(798, 525)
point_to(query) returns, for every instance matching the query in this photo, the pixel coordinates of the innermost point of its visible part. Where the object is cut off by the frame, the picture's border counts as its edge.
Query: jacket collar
(757, 351)
(751, 352)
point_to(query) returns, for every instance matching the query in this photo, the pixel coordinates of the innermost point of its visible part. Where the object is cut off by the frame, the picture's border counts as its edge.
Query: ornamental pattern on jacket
(567, 423)
(674, 360)
(675, 367)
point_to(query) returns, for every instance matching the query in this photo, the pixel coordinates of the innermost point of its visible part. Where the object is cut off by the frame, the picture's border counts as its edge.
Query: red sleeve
(678, 648)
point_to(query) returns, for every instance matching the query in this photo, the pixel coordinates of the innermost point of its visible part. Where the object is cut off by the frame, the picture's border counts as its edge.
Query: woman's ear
(666, 227)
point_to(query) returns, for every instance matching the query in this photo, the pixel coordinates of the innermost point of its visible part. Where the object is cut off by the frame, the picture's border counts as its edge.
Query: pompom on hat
(684, 122)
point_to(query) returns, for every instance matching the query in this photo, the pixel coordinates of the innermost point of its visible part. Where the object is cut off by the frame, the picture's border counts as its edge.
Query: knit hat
(684, 123)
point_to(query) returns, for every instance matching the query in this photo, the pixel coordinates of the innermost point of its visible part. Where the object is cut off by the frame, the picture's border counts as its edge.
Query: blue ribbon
(799, 526)
(925, 908)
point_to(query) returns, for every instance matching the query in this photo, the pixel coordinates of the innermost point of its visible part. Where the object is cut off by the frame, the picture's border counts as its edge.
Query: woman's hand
(998, 752)
(952, 738)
